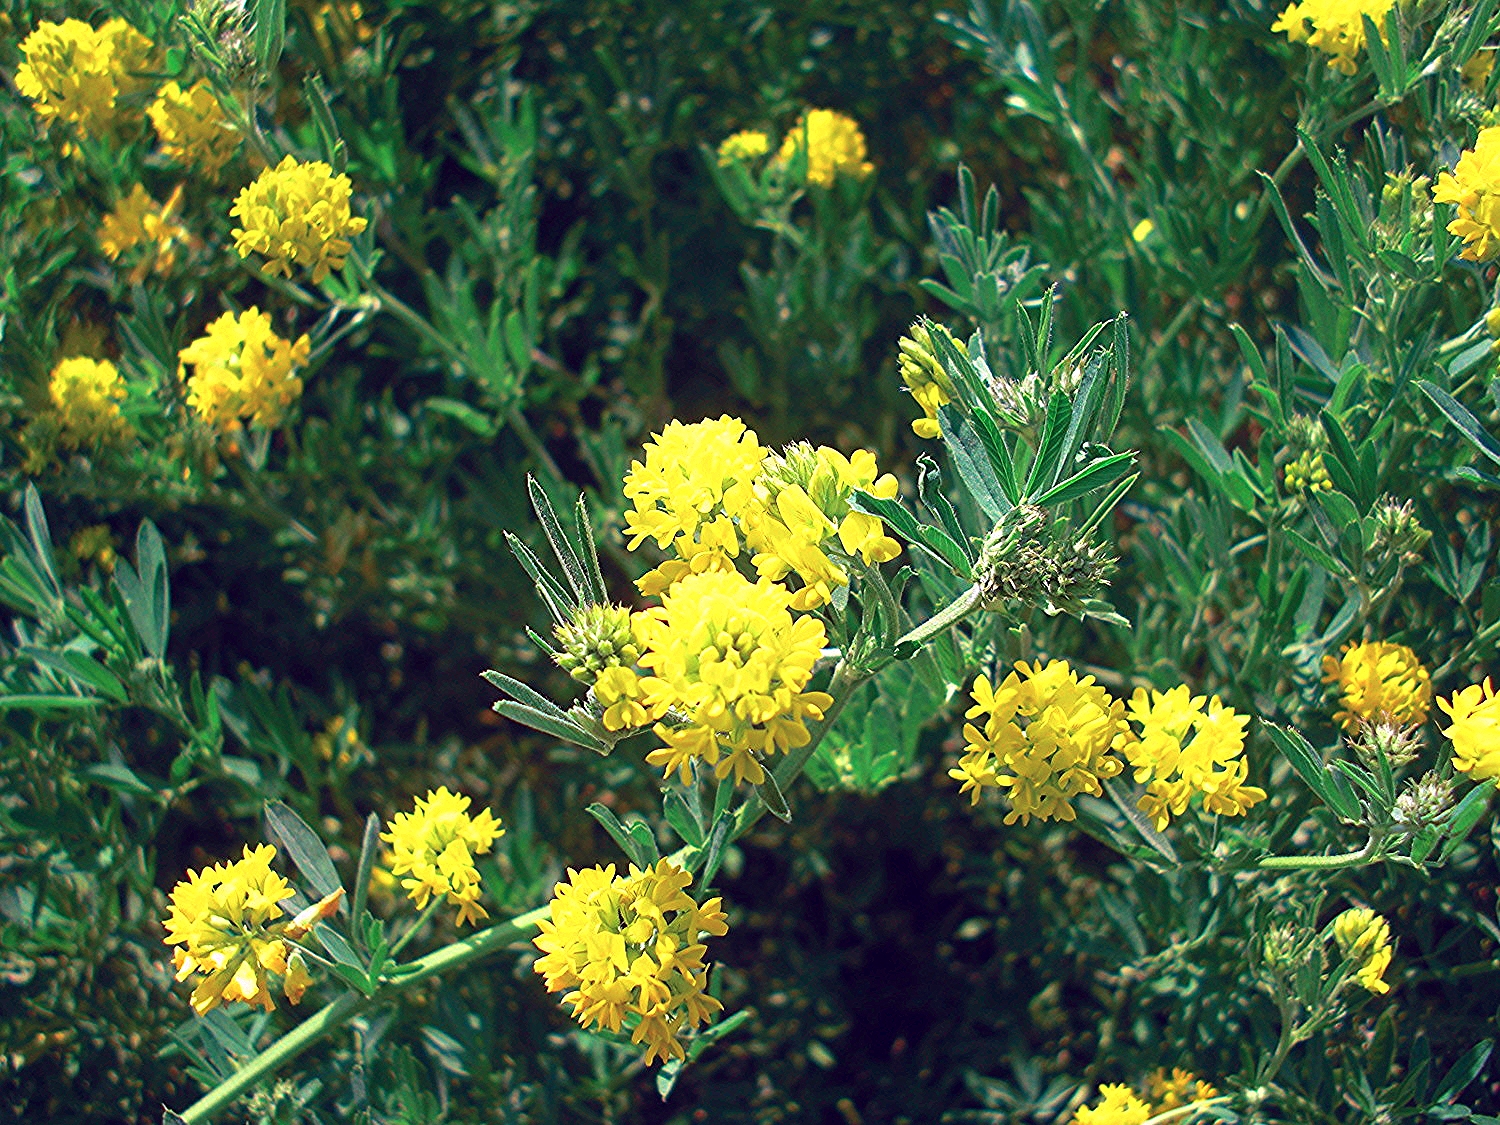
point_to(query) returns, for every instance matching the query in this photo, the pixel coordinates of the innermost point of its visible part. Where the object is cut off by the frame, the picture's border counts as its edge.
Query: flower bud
(597, 637)
(1422, 802)
(1398, 534)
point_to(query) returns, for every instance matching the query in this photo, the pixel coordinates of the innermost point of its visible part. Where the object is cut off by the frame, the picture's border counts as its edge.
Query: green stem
(422, 919)
(336, 1014)
(1366, 854)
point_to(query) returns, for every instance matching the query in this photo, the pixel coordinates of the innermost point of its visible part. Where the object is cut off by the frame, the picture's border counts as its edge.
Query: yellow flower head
(1335, 27)
(435, 847)
(80, 76)
(1179, 1088)
(1379, 682)
(628, 948)
(1364, 940)
(242, 370)
(695, 481)
(802, 502)
(138, 220)
(924, 375)
(746, 145)
(1188, 745)
(1118, 1105)
(296, 214)
(1474, 186)
(1475, 732)
(1307, 474)
(1046, 738)
(86, 393)
(833, 143)
(192, 126)
(227, 918)
(727, 655)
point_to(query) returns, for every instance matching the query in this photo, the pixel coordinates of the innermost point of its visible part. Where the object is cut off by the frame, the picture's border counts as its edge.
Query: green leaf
(553, 722)
(120, 777)
(369, 849)
(1095, 476)
(83, 670)
(1465, 815)
(1048, 462)
(304, 847)
(974, 463)
(771, 796)
(39, 702)
(1309, 765)
(269, 20)
(1459, 415)
(638, 854)
(1464, 1071)
(679, 814)
(1315, 554)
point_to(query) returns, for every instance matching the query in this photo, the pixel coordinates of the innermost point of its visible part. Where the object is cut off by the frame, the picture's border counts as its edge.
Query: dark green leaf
(304, 847)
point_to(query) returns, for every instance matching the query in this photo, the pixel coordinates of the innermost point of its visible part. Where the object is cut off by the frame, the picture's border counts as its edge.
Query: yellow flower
(1475, 731)
(628, 947)
(435, 847)
(1379, 682)
(727, 655)
(924, 376)
(695, 480)
(1475, 73)
(242, 370)
(1142, 230)
(1364, 940)
(86, 393)
(226, 918)
(1172, 1091)
(1337, 27)
(138, 220)
(802, 502)
(192, 126)
(1186, 748)
(80, 76)
(1061, 750)
(1307, 474)
(833, 143)
(1474, 186)
(1118, 1105)
(746, 145)
(296, 214)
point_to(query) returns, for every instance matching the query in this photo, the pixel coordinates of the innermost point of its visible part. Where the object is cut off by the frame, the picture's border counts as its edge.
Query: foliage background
(542, 197)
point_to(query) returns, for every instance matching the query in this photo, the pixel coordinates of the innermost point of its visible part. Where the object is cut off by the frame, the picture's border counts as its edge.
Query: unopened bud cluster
(1423, 801)
(1395, 743)
(1398, 533)
(1030, 560)
(598, 637)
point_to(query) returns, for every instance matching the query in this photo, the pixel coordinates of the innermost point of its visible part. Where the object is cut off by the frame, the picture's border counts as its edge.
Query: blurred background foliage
(554, 267)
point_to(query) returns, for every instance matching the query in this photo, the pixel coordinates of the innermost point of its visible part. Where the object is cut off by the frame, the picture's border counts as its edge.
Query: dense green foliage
(1231, 245)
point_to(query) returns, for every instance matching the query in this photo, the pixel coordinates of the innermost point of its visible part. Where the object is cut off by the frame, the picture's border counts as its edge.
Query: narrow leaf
(304, 847)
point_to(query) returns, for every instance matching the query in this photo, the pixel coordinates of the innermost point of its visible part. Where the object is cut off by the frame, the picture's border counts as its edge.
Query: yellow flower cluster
(86, 393)
(1364, 940)
(726, 658)
(1335, 27)
(628, 947)
(745, 145)
(1188, 745)
(227, 919)
(1047, 738)
(924, 376)
(140, 221)
(1474, 187)
(1307, 474)
(434, 848)
(242, 370)
(708, 489)
(1379, 682)
(1120, 1105)
(296, 214)
(1475, 732)
(81, 76)
(833, 143)
(192, 127)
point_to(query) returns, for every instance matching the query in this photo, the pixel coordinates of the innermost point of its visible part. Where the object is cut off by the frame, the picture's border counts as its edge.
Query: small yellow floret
(1118, 1105)
(1379, 682)
(1474, 187)
(833, 143)
(628, 948)
(80, 76)
(242, 371)
(1188, 745)
(296, 214)
(1335, 27)
(1475, 732)
(86, 393)
(435, 846)
(192, 127)
(924, 375)
(1308, 474)
(746, 145)
(1175, 1089)
(1364, 940)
